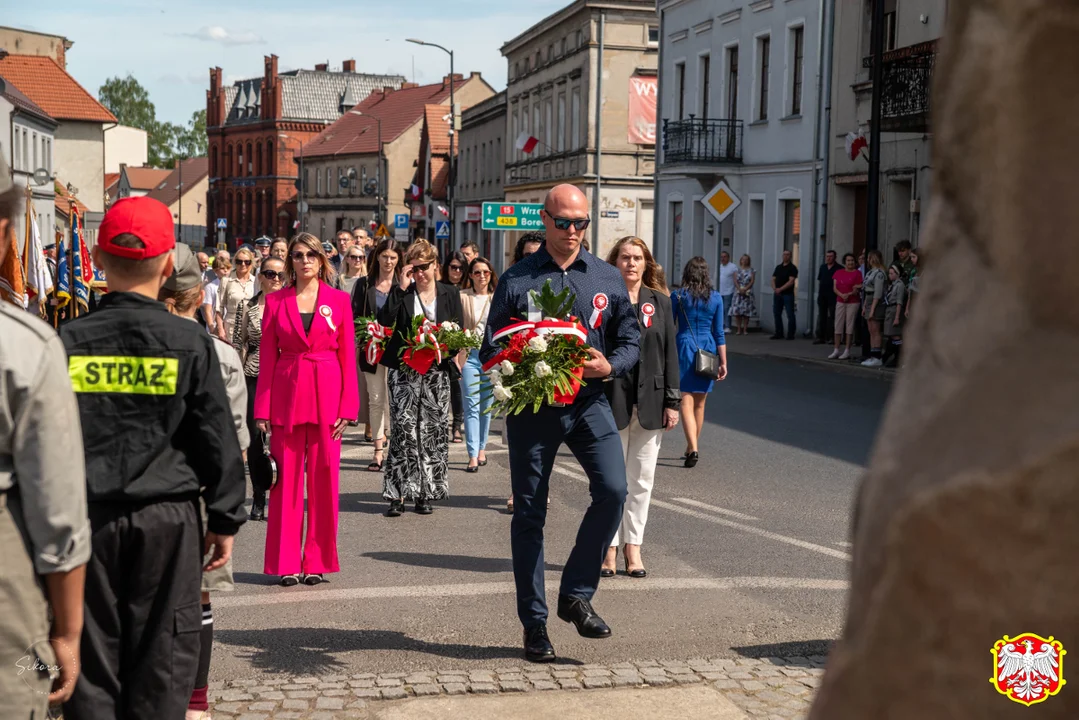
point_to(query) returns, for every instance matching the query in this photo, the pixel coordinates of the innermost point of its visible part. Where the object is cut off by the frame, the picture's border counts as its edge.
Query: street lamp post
(451, 194)
(383, 197)
(301, 183)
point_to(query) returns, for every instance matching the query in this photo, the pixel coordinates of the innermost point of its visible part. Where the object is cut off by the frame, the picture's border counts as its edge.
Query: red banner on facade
(642, 110)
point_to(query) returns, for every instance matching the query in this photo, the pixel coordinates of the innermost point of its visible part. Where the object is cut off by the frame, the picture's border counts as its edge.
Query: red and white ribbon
(327, 313)
(562, 327)
(512, 329)
(376, 334)
(599, 304)
(427, 334)
(648, 310)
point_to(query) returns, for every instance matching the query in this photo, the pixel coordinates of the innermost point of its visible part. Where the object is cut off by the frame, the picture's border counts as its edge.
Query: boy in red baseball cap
(156, 425)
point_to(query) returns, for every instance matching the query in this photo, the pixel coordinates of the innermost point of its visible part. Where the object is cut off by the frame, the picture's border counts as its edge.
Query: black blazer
(363, 305)
(397, 313)
(657, 372)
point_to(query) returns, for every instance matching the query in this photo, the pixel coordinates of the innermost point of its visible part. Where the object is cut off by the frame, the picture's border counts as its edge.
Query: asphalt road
(747, 553)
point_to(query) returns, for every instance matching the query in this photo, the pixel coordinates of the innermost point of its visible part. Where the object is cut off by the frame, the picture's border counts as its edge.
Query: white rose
(538, 344)
(542, 369)
(506, 367)
(468, 333)
(495, 377)
(447, 325)
(502, 393)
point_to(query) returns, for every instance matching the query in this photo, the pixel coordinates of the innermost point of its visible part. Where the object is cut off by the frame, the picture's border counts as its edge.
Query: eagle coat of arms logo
(1028, 668)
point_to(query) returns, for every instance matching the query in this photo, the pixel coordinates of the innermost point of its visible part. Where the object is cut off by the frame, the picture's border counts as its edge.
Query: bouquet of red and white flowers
(540, 361)
(371, 338)
(427, 343)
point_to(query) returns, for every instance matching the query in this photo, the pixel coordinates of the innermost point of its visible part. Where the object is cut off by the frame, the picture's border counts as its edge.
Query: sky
(169, 47)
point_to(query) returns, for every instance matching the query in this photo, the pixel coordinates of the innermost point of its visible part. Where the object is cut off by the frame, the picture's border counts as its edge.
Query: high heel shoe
(638, 573)
(692, 458)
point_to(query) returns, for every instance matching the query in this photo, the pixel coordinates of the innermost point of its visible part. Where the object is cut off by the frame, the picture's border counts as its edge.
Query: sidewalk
(761, 344)
(724, 689)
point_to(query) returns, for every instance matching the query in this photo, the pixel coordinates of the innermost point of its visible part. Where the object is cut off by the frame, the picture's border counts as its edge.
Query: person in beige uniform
(182, 294)
(44, 528)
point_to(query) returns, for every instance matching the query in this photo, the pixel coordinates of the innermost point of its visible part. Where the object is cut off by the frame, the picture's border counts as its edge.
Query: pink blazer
(307, 378)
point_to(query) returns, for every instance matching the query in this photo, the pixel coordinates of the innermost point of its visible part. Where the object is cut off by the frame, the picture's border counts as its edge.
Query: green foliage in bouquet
(558, 306)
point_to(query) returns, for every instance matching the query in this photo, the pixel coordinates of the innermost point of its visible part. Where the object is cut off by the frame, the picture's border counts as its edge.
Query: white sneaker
(834, 355)
(845, 355)
(872, 362)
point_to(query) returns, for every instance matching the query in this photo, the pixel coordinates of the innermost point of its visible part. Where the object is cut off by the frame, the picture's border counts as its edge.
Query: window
(580, 39)
(213, 161)
(239, 160)
(50, 156)
(306, 181)
(764, 50)
(536, 120)
(258, 159)
(550, 52)
(269, 162)
(889, 25)
(676, 236)
(680, 88)
(524, 129)
(16, 157)
(653, 34)
(706, 81)
(340, 174)
(548, 122)
(250, 161)
(33, 149)
(318, 184)
(798, 50)
(792, 225)
(562, 47)
(517, 69)
(498, 161)
(329, 182)
(575, 119)
(562, 122)
(513, 130)
(482, 169)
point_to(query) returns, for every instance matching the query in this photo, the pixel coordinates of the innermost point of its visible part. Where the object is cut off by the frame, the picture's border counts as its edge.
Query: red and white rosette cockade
(647, 311)
(599, 304)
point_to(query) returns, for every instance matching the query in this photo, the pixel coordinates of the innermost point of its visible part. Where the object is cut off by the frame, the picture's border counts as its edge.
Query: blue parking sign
(400, 221)
(442, 230)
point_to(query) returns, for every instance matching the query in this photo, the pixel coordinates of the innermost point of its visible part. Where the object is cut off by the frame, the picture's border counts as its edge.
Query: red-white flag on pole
(442, 209)
(526, 143)
(856, 142)
(415, 191)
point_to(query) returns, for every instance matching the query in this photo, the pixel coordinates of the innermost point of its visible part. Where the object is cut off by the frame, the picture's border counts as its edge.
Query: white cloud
(216, 33)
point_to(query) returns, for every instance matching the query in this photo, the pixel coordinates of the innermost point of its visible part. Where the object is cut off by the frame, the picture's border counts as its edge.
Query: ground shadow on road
(372, 503)
(451, 562)
(797, 648)
(313, 650)
(249, 578)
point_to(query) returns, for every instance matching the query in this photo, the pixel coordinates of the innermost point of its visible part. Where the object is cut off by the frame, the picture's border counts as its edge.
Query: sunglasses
(243, 262)
(421, 268)
(304, 257)
(455, 267)
(564, 223)
(478, 273)
(271, 275)
(357, 258)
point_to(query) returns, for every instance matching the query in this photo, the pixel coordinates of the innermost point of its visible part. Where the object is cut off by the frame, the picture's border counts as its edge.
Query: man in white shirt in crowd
(727, 271)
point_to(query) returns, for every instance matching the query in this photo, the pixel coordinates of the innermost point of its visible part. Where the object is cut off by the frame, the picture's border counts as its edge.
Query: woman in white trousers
(645, 402)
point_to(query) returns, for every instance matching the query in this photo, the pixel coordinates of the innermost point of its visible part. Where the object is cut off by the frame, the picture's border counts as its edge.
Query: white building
(125, 146)
(739, 99)
(26, 138)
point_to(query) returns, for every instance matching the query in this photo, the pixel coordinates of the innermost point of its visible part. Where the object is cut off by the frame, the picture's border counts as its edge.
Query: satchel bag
(705, 364)
(274, 474)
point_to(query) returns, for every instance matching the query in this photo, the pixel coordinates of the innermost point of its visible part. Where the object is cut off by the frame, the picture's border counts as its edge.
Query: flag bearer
(156, 425)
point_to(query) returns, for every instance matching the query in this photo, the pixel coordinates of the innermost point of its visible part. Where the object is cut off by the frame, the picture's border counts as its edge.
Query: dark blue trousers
(587, 427)
(779, 304)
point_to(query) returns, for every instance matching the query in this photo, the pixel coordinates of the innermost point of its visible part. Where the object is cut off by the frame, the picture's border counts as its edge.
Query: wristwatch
(609, 377)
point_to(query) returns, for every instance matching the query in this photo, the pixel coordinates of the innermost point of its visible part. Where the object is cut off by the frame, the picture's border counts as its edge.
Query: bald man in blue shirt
(586, 425)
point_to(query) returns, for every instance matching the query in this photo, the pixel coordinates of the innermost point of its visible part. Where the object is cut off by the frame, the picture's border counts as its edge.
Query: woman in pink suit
(306, 395)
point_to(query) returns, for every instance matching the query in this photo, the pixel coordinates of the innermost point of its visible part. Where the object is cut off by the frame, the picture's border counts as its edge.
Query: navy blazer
(657, 372)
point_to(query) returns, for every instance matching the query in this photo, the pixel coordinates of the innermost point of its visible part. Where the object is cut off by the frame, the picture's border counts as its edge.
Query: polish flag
(415, 191)
(856, 142)
(526, 143)
(442, 209)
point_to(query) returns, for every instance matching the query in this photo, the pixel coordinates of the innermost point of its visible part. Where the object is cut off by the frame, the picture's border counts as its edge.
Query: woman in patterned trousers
(418, 459)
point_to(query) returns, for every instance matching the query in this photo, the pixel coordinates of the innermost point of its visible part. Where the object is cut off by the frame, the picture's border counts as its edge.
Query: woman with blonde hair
(306, 394)
(418, 459)
(238, 287)
(873, 305)
(480, 283)
(645, 402)
(744, 306)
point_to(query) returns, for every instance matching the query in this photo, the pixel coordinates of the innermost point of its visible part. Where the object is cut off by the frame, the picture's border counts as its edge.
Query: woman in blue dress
(698, 311)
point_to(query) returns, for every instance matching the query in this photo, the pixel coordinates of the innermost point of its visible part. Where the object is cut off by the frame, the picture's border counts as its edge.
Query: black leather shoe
(423, 507)
(691, 459)
(472, 469)
(606, 573)
(258, 510)
(396, 508)
(580, 613)
(538, 647)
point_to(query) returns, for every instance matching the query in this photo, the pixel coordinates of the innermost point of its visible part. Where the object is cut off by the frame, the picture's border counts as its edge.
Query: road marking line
(843, 544)
(506, 588)
(713, 508)
(813, 547)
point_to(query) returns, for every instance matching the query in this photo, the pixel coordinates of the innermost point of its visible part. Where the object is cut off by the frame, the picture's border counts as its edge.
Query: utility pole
(876, 72)
(450, 190)
(599, 134)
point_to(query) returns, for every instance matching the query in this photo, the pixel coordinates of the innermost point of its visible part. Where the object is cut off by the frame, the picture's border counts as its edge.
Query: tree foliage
(129, 101)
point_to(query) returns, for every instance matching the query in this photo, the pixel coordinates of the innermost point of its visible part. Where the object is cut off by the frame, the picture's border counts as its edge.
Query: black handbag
(273, 463)
(705, 364)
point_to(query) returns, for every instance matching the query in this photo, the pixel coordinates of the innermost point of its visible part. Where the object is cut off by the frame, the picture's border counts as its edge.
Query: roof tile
(145, 178)
(194, 170)
(52, 89)
(23, 103)
(305, 94)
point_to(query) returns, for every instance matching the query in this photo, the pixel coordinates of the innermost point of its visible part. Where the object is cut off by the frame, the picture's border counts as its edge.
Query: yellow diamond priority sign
(721, 201)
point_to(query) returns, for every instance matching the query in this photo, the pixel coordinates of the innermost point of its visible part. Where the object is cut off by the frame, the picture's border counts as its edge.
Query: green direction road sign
(512, 216)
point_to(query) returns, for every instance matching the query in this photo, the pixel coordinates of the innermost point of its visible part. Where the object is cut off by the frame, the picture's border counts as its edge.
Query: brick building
(256, 127)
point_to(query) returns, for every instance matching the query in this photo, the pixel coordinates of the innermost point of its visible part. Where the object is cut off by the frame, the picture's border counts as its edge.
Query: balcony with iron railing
(702, 141)
(906, 87)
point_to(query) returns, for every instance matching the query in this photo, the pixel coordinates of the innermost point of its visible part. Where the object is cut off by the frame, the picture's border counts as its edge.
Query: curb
(844, 367)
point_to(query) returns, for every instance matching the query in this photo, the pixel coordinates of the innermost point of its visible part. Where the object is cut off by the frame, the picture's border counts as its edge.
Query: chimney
(387, 89)
(474, 74)
(322, 67)
(407, 85)
(348, 66)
